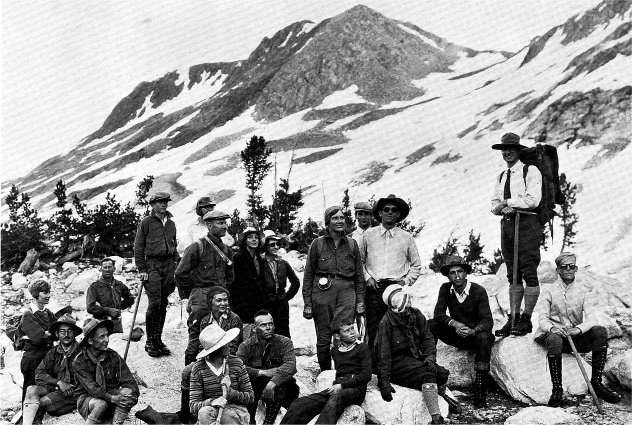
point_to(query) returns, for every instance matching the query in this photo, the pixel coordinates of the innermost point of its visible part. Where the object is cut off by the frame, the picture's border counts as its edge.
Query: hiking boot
(480, 389)
(152, 349)
(598, 363)
(158, 340)
(437, 419)
(523, 325)
(272, 410)
(453, 405)
(506, 329)
(164, 350)
(555, 369)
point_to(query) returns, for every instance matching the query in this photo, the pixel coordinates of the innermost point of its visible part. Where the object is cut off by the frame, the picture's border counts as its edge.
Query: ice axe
(131, 328)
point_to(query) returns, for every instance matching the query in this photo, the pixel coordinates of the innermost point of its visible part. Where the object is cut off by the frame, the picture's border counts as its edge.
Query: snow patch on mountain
(342, 97)
(425, 39)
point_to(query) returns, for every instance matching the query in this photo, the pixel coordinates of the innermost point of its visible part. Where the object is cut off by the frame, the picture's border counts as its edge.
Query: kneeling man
(107, 389)
(56, 384)
(567, 308)
(469, 325)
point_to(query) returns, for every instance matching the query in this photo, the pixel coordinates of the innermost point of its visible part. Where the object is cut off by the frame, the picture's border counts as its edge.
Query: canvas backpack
(14, 332)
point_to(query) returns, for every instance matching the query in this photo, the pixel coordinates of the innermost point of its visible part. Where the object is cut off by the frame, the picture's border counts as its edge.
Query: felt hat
(212, 338)
(509, 141)
(159, 196)
(401, 205)
(203, 202)
(247, 232)
(454, 260)
(363, 206)
(66, 319)
(396, 298)
(216, 215)
(565, 258)
(91, 324)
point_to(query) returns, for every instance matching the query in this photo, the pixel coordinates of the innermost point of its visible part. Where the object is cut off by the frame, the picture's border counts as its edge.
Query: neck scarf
(100, 374)
(64, 370)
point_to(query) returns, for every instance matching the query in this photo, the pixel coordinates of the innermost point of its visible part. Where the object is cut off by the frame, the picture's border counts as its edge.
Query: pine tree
(62, 224)
(255, 160)
(142, 189)
(237, 225)
(346, 210)
(567, 214)
(441, 253)
(283, 210)
(410, 228)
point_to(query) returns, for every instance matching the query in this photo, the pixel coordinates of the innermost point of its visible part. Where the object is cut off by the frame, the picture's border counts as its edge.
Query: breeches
(481, 342)
(530, 235)
(596, 337)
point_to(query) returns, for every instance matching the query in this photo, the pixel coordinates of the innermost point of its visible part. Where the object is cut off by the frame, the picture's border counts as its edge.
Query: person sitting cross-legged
(352, 360)
(56, 383)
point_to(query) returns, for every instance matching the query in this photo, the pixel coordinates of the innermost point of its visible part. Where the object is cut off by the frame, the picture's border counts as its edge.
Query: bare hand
(307, 312)
(371, 283)
(226, 381)
(334, 389)
(65, 388)
(573, 331)
(507, 211)
(219, 402)
(143, 276)
(559, 331)
(268, 391)
(123, 400)
(268, 373)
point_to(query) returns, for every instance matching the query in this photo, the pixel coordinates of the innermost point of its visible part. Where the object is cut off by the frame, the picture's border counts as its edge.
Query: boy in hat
(390, 257)
(205, 264)
(567, 309)
(107, 297)
(198, 229)
(469, 324)
(363, 215)
(518, 189)
(271, 365)
(352, 360)
(56, 383)
(107, 389)
(406, 355)
(156, 256)
(219, 382)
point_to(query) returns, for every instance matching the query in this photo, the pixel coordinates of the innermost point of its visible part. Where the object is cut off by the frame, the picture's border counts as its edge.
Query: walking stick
(581, 367)
(220, 412)
(131, 328)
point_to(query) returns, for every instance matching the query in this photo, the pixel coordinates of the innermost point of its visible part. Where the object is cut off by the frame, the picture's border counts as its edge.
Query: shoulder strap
(525, 170)
(500, 177)
(200, 245)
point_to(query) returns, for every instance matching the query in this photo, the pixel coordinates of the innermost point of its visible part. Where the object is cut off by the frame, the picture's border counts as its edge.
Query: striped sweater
(206, 386)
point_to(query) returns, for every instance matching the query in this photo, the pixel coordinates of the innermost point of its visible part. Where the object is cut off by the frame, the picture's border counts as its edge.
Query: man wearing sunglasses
(567, 308)
(389, 255)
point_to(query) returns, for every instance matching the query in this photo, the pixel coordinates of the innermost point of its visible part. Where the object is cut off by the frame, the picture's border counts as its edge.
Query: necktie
(507, 191)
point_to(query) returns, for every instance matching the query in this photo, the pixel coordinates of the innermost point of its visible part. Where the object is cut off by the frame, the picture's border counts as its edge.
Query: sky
(66, 64)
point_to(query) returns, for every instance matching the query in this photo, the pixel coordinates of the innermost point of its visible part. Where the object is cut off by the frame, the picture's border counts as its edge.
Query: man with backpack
(517, 195)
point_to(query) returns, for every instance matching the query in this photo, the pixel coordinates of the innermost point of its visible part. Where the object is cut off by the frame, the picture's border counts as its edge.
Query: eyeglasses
(273, 245)
(389, 210)
(567, 267)
(66, 332)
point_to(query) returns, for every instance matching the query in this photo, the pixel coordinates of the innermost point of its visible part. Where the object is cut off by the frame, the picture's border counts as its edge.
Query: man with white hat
(206, 263)
(156, 255)
(219, 382)
(198, 229)
(405, 352)
(567, 308)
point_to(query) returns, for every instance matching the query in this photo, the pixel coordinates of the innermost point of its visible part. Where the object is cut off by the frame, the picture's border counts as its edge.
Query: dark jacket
(57, 365)
(401, 336)
(277, 353)
(202, 267)
(275, 287)
(246, 291)
(473, 312)
(104, 300)
(155, 240)
(323, 258)
(33, 326)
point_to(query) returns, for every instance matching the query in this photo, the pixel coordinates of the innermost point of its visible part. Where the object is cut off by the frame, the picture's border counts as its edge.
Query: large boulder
(460, 363)
(119, 263)
(36, 275)
(69, 265)
(303, 333)
(83, 280)
(10, 377)
(619, 369)
(520, 367)
(542, 415)
(307, 371)
(78, 303)
(18, 281)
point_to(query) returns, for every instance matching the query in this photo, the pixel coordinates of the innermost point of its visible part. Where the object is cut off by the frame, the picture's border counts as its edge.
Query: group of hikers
(356, 290)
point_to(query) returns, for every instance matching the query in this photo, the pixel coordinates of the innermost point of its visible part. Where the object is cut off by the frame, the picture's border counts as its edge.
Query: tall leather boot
(507, 327)
(598, 363)
(272, 410)
(161, 325)
(523, 325)
(151, 346)
(480, 387)
(453, 405)
(555, 369)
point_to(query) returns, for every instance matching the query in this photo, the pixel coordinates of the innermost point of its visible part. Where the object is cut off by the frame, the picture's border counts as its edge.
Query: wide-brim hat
(453, 261)
(401, 205)
(395, 297)
(159, 196)
(66, 319)
(270, 234)
(215, 215)
(91, 324)
(509, 141)
(212, 338)
(248, 231)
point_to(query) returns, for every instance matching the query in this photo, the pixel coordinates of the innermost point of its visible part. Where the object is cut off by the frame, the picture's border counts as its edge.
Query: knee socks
(531, 294)
(431, 398)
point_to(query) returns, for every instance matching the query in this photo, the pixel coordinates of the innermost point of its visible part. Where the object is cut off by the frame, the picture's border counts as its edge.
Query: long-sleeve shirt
(277, 353)
(33, 326)
(276, 274)
(358, 234)
(57, 366)
(206, 386)
(246, 291)
(524, 196)
(390, 254)
(108, 299)
(323, 258)
(564, 305)
(228, 321)
(203, 267)
(115, 372)
(353, 367)
(154, 240)
(195, 231)
(474, 311)
(402, 336)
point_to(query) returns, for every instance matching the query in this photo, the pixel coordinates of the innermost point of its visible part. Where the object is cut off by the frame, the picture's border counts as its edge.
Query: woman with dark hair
(277, 273)
(247, 288)
(34, 325)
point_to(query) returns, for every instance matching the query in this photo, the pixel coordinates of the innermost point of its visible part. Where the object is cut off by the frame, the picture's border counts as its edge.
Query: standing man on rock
(198, 229)
(156, 256)
(363, 215)
(567, 309)
(107, 297)
(469, 325)
(271, 365)
(390, 257)
(518, 190)
(206, 263)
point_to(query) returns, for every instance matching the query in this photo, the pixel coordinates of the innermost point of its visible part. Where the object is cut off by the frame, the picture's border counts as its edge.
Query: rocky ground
(162, 375)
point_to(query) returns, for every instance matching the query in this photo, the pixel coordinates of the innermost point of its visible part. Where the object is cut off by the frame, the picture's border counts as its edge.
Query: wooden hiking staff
(581, 367)
(220, 412)
(131, 328)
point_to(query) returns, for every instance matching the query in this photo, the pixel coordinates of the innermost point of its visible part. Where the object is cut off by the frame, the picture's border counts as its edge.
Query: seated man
(271, 365)
(405, 352)
(56, 384)
(219, 382)
(352, 360)
(107, 297)
(469, 325)
(107, 389)
(222, 316)
(567, 308)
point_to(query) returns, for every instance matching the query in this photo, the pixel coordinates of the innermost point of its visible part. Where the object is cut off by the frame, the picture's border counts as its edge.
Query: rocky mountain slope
(379, 106)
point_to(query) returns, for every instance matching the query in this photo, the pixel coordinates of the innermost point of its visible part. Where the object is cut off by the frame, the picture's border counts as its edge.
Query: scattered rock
(38, 274)
(296, 260)
(81, 283)
(353, 415)
(70, 266)
(307, 373)
(460, 363)
(16, 297)
(79, 303)
(119, 262)
(543, 415)
(619, 369)
(68, 280)
(18, 280)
